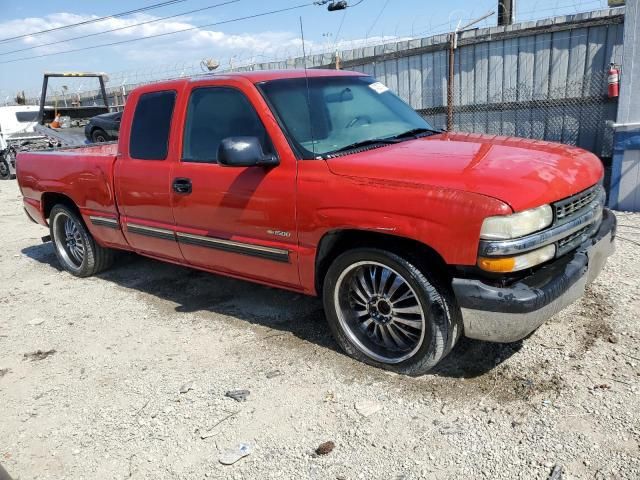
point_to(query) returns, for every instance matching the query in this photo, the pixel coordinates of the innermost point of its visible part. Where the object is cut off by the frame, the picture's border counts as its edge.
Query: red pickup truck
(326, 183)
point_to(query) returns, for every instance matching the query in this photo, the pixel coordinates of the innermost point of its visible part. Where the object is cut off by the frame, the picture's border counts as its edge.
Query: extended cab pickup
(328, 184)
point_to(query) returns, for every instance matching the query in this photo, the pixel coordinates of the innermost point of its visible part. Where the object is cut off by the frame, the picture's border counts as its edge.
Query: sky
(234, 43)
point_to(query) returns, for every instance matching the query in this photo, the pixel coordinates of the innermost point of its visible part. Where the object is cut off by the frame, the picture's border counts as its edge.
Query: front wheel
(386, 312)
(75, 247)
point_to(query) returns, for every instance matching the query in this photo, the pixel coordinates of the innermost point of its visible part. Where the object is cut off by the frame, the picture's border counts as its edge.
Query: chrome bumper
(507, 314)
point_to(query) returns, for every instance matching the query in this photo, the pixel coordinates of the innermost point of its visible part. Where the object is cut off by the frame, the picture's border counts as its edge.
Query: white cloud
(164, 56)
(171, 46)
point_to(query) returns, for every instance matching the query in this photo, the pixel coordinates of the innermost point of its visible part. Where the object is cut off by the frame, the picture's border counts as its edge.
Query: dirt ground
(92, 370)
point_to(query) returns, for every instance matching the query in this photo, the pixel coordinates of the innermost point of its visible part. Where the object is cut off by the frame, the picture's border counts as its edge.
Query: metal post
(452, 49)
(103, 91)
(453, 44)
(43, 97)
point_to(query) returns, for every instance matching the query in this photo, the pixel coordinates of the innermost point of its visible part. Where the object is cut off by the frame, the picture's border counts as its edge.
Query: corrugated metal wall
(544, 79)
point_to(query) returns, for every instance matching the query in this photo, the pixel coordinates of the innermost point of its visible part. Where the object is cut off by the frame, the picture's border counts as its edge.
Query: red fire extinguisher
(613, 80)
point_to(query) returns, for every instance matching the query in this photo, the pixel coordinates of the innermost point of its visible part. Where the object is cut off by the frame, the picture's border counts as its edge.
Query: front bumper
(507, 314)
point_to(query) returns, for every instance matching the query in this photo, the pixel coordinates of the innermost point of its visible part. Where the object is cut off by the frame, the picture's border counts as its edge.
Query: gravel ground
(102, 397)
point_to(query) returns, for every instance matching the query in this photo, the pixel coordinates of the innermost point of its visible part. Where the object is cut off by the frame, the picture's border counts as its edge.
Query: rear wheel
(75, 247)
(385, 311)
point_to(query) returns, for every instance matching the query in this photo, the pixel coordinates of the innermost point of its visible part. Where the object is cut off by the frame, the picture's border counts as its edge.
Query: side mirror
(244, 152)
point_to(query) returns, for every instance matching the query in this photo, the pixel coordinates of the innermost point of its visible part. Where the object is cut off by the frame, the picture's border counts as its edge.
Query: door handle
(182, 186)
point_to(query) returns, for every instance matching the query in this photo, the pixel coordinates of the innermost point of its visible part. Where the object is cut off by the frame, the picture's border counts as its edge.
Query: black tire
(95, 258)
(99, 136)
(5, 171)
(440, 315)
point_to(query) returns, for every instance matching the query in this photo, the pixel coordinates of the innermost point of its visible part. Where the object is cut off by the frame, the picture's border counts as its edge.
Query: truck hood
(522, 173)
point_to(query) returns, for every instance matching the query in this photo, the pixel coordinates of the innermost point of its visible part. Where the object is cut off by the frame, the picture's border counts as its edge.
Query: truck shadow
(176, 289)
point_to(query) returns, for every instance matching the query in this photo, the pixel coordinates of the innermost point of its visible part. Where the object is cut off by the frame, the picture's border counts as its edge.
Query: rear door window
(151, 126)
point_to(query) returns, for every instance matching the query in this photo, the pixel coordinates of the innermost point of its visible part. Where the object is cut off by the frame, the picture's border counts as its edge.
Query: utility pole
(506, 12)
(453, 44)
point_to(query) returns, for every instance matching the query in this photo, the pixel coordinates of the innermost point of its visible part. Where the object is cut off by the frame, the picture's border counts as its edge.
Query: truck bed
(84, 174)
(66, 136)
(105, 149)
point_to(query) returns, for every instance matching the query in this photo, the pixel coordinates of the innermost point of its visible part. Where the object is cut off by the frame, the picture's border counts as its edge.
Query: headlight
(519, 262)
(505, 227)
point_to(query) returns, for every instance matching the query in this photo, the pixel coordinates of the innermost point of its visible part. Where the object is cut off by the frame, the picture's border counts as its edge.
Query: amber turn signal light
(519, 262)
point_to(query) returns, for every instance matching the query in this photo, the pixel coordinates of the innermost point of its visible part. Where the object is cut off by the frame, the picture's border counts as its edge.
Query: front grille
(575, 235)
(576, 238)
(567, 208)
(572, 207)
(576, 219)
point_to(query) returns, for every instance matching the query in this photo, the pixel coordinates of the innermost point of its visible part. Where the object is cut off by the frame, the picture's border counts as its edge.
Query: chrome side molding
(151, 231)
(270, 253)
(104, 221)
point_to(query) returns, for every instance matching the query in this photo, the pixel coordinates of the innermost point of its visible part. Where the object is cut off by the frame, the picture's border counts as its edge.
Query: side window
(216, 113)
(151, 126)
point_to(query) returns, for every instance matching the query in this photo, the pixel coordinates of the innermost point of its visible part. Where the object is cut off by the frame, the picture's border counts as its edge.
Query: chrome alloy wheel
(379, 311)
(69, 240)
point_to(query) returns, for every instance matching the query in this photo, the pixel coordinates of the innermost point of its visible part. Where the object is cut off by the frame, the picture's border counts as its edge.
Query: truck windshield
(27, 116)
(340, 113)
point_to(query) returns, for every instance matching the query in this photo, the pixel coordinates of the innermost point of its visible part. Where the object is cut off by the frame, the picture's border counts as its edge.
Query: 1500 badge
(279, 233)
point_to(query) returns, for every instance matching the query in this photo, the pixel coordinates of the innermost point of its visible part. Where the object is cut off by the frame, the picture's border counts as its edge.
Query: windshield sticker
(378, 87)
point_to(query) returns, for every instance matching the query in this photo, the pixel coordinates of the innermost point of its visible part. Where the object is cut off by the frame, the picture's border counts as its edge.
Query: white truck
(17, 124)
(7, 160)
(18, 132)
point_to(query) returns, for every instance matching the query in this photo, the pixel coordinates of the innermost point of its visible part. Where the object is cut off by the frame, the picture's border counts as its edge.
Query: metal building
(625, 173)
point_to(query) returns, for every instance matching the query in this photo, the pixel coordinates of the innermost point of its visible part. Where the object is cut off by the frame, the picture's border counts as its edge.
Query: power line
(335, 44)
(111, 44)
(377, 18)
(33, 47)
(94, 20)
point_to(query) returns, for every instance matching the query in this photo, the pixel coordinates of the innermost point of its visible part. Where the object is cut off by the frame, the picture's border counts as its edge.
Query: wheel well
(334, 243)
(50, 199)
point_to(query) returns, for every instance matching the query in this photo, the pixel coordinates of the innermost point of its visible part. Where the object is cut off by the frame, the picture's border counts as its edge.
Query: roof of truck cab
(257, 76)
(253, 77)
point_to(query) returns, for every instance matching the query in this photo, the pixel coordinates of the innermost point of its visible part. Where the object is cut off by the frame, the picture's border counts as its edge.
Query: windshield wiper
(416, 132)
(364, 143)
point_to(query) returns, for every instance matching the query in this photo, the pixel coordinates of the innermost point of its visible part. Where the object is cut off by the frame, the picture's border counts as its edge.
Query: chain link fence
(578, 113)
